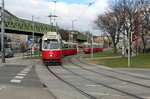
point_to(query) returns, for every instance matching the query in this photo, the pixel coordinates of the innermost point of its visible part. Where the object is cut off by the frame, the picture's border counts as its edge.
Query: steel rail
(72, 86)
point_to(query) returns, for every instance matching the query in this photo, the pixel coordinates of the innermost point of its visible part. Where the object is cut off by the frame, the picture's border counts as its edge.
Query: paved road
(21, 82)
(98, 81)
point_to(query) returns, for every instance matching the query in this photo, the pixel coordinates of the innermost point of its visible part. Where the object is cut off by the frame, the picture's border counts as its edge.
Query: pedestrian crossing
(18, 78)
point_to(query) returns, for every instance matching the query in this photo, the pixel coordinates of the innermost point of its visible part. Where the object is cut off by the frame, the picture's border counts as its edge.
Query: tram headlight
(51, 55)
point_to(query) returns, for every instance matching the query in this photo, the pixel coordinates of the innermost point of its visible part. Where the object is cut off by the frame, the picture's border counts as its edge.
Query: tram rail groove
(114, 78)
(79, 58)
(72, 86)
(45, 86)
(124, 92)
(108, 75)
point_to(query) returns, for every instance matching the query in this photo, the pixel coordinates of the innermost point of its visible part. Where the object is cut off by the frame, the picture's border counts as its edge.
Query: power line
(89, 4)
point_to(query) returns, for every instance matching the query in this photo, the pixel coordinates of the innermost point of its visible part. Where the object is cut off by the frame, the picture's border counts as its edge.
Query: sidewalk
(18, 60)
(111, 57)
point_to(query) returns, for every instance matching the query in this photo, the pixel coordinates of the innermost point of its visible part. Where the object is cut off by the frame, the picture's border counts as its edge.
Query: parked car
(8, 53)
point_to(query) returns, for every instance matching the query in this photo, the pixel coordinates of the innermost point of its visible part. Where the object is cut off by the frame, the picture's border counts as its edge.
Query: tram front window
(51, 44)
(87, 46)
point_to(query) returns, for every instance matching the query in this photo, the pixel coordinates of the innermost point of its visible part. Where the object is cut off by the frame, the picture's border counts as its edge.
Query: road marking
(21, 74)
(20, 77)
(15, 81)
(96, 93)
(2, 88)
(1, 66)
(24, 72)
(93, 85)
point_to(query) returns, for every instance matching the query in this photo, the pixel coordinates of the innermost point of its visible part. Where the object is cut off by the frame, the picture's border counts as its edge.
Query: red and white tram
(51, 48)
(88, 47)
(69, 48)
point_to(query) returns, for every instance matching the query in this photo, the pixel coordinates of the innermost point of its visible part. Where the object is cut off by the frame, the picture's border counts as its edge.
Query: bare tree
(111, 24)
(145, 23)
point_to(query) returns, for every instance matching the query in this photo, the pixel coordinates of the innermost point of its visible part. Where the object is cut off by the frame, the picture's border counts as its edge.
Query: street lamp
(2, 33)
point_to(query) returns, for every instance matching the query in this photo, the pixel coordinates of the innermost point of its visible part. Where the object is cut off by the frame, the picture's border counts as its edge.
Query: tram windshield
(51, 44)
(87, 46)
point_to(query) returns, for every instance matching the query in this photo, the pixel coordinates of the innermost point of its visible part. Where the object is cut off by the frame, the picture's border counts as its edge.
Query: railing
(32, 54)
(17, 24)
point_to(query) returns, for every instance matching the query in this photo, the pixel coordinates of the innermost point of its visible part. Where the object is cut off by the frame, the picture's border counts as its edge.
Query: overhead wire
(89, 4)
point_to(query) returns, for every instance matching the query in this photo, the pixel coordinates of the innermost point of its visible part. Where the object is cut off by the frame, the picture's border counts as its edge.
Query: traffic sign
(30, 41)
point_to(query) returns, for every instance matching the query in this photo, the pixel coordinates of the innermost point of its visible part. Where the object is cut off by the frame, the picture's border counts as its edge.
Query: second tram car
(69, 48)
(88, 48)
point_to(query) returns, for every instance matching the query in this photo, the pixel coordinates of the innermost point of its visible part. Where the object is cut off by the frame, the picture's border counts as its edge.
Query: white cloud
(65, 12)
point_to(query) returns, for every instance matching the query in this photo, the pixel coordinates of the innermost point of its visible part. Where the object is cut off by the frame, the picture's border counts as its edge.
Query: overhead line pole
(92, 45)
(2, 33)
(33, 29)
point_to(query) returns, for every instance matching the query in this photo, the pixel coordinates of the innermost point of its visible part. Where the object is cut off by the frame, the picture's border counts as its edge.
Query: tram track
(127, 93)
(110, 75)
(71, 85)
(68, 61)
(82, 61)
(98, 83)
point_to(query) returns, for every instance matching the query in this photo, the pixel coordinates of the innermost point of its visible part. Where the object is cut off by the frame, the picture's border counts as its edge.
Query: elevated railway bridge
(21, 26)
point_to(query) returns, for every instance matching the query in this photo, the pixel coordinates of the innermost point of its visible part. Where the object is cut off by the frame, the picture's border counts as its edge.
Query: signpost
(2, 33)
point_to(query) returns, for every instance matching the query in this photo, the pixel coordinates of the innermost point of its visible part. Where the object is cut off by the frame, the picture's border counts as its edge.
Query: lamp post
(72, 30)
(129, 45)
(33, 30)
(2, 33)
(92, 45)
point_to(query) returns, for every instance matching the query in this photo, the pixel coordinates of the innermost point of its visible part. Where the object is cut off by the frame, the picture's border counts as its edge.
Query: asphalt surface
(29, 79)
(101, 84)
(18, 80)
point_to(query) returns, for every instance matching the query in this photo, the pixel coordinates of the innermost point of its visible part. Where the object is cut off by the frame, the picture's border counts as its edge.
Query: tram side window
(87, 46)
(74, 46)
(66, 46)
(51, 44)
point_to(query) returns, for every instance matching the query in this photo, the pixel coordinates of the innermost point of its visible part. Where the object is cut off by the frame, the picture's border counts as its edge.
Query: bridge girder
(26, 27)
(21, 26)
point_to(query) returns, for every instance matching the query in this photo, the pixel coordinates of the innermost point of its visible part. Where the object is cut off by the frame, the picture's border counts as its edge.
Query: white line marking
(20, 77)
(21, 74)
(15, 81)
(96, 93)
(93, 85)
(24, 72)
(2, 88)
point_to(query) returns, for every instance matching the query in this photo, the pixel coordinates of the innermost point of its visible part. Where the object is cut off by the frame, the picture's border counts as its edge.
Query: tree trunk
(115, 48)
